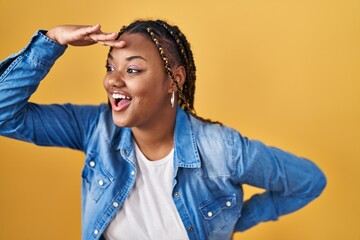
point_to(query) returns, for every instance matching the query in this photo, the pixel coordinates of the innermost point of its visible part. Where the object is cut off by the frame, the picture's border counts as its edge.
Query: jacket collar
(186, 153)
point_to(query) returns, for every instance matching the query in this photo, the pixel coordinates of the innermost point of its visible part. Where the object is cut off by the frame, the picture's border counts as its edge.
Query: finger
(116, 44)
(119, 44)
(89, 30)
(103, 36)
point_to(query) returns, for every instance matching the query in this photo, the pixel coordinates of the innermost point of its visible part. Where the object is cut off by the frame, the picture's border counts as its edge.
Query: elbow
(308, 183)
(314, 182)
(319, 184)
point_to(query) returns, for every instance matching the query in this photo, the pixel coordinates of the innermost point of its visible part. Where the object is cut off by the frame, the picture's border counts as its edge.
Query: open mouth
(121, 101)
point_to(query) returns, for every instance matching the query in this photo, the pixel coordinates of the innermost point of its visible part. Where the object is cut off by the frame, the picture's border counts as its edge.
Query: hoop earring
(172, 100)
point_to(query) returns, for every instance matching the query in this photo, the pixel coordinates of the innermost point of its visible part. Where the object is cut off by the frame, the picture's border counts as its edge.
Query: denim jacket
(211, 162)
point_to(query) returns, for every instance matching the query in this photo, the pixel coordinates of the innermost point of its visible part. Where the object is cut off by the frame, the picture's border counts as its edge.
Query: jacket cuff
(42, 50)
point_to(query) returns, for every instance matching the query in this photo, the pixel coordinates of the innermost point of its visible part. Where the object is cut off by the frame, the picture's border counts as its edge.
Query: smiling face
(138, 88)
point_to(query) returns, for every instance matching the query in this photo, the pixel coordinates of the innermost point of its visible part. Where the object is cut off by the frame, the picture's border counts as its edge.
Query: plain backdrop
(285, 72)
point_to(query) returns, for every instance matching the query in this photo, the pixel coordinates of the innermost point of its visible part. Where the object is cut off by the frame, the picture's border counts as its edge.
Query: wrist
(52, 35)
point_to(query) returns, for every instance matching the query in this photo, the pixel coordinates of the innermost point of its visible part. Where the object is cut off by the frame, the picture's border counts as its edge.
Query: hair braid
(189, 64)
(190, 72)
(183, 101)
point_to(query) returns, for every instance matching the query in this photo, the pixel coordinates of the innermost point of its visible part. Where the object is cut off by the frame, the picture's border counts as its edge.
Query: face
(138, 88)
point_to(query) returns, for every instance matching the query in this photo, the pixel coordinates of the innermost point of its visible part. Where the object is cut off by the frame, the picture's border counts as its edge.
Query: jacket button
(101, 182)
(96, 232)
(92, 164)
(176, 194)
(209, 214)
(191, 229)
(115, 204)
(132, 173)
(228, 204)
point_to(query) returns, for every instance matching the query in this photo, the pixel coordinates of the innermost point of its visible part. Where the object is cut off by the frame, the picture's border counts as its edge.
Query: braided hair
(174, 50)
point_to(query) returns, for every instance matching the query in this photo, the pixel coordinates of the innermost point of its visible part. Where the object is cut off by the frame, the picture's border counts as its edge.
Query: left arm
(290, 182)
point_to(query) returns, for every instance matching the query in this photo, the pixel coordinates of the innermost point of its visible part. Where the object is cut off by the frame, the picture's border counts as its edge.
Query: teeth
(120, 96)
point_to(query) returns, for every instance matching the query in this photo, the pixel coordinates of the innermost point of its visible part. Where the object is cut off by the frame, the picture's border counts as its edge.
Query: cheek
(105, 83)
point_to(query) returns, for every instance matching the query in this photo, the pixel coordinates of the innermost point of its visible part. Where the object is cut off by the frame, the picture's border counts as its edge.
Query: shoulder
(213, 131)
(217, 148)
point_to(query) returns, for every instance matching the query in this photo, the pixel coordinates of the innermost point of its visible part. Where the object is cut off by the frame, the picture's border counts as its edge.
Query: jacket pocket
(96, 178)
(220, 213)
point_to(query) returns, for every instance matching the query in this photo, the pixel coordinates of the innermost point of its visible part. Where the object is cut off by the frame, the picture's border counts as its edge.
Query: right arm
(20, 75)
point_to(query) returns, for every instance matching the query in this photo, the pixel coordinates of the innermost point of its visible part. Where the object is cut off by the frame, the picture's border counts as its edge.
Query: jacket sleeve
(48, 125)
(290, 182)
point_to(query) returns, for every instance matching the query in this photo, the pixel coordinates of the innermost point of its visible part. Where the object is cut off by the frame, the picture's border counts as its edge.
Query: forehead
(137, 44)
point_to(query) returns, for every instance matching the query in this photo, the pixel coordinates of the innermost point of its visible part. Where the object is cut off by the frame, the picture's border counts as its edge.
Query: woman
(153, 169)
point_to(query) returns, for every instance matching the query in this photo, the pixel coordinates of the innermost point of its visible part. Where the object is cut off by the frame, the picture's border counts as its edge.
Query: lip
(123, 106)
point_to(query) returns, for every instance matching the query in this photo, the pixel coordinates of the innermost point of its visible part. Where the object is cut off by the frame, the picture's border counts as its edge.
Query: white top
(149, 211)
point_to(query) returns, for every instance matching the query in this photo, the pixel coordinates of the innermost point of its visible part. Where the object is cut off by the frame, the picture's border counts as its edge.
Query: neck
(156, 140)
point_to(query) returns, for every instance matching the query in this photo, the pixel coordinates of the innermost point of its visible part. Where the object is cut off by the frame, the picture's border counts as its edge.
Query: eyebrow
(128, 58)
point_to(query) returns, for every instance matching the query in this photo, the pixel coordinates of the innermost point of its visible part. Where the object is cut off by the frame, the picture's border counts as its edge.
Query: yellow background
(286, 72)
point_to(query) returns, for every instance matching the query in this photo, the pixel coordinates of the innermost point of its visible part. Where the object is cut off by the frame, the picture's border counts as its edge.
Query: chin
(118, 121)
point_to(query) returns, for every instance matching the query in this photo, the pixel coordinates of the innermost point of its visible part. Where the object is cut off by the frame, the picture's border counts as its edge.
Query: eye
(132, 70)
(109, 68)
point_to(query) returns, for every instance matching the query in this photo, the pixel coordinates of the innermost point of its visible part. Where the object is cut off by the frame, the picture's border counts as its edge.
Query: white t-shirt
(149, 211)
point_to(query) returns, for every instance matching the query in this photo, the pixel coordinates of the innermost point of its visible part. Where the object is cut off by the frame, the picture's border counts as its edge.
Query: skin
(134, 69)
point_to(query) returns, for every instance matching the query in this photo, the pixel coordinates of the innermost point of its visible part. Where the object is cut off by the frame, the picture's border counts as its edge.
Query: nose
(115, 80)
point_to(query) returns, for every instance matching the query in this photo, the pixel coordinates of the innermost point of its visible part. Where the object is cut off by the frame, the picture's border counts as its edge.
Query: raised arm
(20, 74)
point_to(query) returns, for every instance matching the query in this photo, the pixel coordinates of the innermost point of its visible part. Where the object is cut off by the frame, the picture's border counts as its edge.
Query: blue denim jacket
(211, 162)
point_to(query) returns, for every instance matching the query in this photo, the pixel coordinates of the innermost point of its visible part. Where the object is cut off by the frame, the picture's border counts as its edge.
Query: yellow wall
(284, 71)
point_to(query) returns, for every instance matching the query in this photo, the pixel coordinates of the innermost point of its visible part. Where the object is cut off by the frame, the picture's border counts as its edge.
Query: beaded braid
(185, 104)
(189, 86)
(186, 95)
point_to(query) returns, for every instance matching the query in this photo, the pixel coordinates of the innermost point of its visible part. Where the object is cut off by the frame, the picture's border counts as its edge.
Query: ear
(180, 76)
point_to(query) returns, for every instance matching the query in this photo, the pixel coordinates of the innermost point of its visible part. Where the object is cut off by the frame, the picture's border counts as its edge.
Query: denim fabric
(211, 162)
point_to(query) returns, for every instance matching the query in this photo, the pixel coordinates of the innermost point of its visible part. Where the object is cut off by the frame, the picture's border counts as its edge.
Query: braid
(189, 86)
(182, 56)
(183, 102)
(190, 73)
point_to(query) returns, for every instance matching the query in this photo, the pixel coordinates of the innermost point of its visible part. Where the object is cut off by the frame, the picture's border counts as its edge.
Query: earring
(172, 100)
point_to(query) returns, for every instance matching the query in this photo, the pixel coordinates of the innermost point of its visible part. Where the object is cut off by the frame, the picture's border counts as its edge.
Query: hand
(79, 35)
